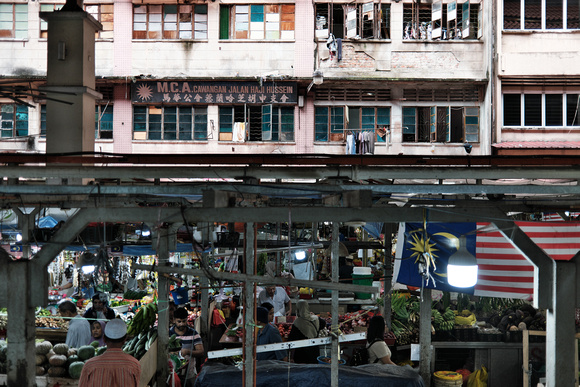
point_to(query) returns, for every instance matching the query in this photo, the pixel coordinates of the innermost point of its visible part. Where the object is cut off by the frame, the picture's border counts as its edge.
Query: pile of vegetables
(61, 361)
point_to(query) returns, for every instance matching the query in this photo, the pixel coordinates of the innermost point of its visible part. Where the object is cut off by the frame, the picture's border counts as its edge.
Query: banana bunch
(443, 322)
(143, 319)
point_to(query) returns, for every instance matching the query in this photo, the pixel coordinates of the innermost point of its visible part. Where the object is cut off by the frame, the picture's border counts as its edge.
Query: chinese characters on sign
(184, 92)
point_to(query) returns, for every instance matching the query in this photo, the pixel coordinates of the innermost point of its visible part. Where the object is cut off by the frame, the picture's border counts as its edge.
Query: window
(332, 122)
(13, 120)
(43, 23)
(101, 12)
(104, 14)
(170, 21)
(452, 124)
(440, 21)
(14, 21)
(256, 123)
(541, 15)
(365, 21)
(541, 110)
(169, 123)
(43, 121)
(104, 121)
(257, 21)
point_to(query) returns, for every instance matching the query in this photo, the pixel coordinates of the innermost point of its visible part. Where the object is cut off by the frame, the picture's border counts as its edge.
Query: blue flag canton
(428, 250)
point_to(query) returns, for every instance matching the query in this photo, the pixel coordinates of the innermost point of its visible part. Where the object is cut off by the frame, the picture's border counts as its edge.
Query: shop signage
(200, 92)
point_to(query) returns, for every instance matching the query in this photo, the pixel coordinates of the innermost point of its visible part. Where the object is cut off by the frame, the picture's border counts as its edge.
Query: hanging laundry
(332, 46)
(239, 132)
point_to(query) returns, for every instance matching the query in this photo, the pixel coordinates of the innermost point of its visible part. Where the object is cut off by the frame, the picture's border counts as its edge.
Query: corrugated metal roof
(538, 145)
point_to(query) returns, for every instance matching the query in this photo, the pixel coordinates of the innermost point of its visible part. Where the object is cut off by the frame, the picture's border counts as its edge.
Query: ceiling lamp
(462, 267)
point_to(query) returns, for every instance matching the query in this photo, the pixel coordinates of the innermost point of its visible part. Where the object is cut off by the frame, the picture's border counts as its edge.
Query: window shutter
(267, 123)
(465, 20)
(351, 22)
(433, 124)
(436, 17)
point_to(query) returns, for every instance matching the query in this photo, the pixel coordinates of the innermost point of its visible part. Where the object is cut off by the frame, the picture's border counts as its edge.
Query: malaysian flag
(503, 271)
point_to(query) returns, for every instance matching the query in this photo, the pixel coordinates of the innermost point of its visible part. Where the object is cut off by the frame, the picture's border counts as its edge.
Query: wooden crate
(148, 365)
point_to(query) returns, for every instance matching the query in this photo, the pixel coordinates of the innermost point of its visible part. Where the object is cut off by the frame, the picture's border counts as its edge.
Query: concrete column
(249, 350)
(561, 328)
(425, 336)
(162, 249)
(334, 351)
(70, 125)
(21, 330)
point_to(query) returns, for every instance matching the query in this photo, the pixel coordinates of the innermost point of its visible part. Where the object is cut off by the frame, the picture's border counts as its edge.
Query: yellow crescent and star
(422, 247)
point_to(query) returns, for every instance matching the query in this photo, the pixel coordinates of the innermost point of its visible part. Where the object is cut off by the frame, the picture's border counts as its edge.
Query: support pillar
(425, 336)
(162, 302)
(334, 350)
(249, 350)
(560, 326)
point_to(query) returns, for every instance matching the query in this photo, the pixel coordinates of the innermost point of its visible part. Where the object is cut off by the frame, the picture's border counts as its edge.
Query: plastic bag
(478, 378)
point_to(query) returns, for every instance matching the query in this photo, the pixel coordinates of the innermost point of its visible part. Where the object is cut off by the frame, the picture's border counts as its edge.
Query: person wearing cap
(268, 334)
(114, 368)
(79, 329)
(100, 309)
(345, 268)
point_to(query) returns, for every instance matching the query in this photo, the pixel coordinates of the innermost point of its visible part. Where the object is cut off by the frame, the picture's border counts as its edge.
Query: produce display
(143, 320)
(140, 344)
(61, 361)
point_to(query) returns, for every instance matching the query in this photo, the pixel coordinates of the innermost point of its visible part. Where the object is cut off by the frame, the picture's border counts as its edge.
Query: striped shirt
(188, 340)
(114, 368)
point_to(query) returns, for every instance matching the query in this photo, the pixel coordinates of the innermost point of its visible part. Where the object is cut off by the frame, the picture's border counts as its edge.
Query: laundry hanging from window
(360, 143)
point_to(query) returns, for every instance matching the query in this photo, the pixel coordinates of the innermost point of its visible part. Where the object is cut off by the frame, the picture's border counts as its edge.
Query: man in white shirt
(278, 297)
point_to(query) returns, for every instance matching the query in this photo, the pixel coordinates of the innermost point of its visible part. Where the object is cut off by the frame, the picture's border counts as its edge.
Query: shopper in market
(79, 329)
(98, 332)
(306, 326)
(270, 309)
(378, 350)
(66, 288)
(191, 344)
(277, 296)
(100, 309)
(268, 334)
(114, 368)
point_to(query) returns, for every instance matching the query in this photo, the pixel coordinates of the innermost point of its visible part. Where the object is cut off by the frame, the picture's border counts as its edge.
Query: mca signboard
(201, 92)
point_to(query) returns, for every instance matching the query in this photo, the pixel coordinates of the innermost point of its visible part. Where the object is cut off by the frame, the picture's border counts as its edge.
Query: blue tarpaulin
(277, 373)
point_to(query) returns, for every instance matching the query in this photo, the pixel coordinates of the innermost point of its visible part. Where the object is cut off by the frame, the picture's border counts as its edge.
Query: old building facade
(322, 77)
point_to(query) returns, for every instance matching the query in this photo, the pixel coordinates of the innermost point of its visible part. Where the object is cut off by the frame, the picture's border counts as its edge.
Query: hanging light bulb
(462, 267)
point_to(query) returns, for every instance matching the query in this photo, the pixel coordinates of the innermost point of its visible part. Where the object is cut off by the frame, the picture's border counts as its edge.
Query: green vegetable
(60, 349)
(75, 369)
(86, 352)
(43, 348)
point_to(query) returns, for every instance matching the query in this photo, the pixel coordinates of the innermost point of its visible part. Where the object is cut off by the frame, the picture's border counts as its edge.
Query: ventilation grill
(370, 95)
(107, 91)
(465, 94)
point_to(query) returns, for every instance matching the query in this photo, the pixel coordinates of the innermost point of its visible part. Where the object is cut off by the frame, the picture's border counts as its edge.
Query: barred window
(332, 123)
(256, 123)
(451, 124)
(169, 123)
(363, 21)
(541, 110)
(170, 21)
(13, 21)
(541, 15)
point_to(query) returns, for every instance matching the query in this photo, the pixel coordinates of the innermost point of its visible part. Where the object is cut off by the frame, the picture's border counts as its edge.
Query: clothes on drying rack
(361, 143)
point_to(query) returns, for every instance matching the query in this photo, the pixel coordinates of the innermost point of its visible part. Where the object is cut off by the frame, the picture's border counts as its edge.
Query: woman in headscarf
(306, 326)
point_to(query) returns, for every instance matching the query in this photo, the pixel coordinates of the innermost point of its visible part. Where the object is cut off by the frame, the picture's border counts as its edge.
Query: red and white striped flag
(504, 272)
